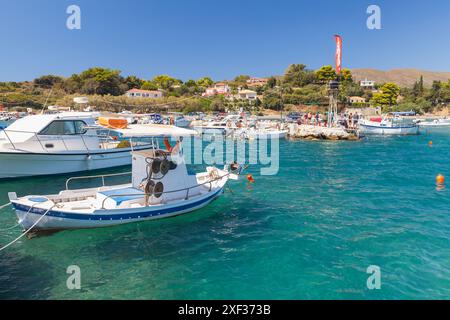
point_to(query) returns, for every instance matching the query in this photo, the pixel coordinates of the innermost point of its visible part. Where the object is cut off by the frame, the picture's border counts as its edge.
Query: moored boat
(70, 142)
(388, 126)
(160, 187)
(435, 123)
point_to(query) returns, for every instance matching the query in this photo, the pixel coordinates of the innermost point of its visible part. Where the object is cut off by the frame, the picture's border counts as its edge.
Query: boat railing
(210, 182)
(102, 138)
(102, 176)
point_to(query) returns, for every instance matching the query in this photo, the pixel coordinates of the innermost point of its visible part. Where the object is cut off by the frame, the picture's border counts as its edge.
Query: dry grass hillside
(402, 77)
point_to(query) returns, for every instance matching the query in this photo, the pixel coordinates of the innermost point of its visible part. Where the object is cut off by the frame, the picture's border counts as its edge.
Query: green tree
(271, 82)
(101, 81)
(133, 82)
(346, 75)
(388, 95)
(191, 83)
(297, 75)
(205, 82)
(435, 96)
(47, 81)
(165, 81)
(272, 100)
(326, 73)
(149, 85)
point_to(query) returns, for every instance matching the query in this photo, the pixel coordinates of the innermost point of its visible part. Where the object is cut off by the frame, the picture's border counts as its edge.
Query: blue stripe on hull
(388, 128)
(125, 216)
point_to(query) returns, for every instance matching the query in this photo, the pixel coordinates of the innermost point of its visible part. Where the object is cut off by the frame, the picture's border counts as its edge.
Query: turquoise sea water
(309, 232)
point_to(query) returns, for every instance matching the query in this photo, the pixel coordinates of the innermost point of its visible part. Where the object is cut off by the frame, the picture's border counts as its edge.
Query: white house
(219, 88)
(138, 93)
(367, 84)
(257, 82)
(247, 95)
(357, 100)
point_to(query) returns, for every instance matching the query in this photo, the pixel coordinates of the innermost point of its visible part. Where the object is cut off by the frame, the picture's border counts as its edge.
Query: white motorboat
(179, 120)
(263, 133)
(222, 125)
(65, 143)
(435, 123)
(6, 119)
(152, 118)
(388, 126)
(160, 187)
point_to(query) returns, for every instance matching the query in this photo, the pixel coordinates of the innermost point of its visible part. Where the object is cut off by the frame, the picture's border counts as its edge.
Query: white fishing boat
(6, 119)
(179, 119)
(219, 125)
(263, 133)
(160, 187)
(67, 142)
(388, 126)
(435, 123)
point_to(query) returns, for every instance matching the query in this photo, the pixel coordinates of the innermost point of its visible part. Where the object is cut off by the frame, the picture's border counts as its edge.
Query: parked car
(293, 116)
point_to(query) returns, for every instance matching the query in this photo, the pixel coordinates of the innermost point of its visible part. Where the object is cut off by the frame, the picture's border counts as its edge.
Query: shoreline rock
(308, 132)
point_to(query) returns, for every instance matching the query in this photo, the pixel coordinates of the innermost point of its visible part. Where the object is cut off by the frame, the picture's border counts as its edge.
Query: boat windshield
(64, 127)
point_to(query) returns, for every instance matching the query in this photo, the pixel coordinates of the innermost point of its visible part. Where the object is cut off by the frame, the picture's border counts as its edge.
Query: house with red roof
(218, 88)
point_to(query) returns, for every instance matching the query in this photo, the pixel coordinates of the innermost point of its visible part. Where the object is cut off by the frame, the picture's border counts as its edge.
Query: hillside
(402, 77)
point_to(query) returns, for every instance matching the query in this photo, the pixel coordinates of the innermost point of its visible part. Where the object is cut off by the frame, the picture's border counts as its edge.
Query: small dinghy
(161, 187)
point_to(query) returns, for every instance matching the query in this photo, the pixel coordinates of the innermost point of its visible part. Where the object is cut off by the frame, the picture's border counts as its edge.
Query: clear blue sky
(221, 39)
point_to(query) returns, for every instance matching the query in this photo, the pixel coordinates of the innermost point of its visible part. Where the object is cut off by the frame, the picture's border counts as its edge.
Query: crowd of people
(348, 120)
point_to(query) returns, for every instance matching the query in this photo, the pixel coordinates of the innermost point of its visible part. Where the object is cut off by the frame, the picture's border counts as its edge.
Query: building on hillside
(257, 82)
(218, 88)
(354, 100)
(138, 93)
(246, 95)
(367, 84)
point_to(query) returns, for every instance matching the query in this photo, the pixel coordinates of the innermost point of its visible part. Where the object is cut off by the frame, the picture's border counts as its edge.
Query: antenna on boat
(46, 100)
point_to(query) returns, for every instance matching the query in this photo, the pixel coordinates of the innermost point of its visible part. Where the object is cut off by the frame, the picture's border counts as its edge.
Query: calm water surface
(309, 232)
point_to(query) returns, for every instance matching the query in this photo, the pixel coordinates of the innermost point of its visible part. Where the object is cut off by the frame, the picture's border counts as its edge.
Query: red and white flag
(338, 53)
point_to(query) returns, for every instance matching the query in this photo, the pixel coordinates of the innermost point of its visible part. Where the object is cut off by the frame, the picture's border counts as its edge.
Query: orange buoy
(430, 143)
(440, 180)
(250, 178)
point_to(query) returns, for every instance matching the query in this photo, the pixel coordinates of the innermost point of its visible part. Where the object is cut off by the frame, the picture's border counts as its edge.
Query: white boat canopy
(155, 130)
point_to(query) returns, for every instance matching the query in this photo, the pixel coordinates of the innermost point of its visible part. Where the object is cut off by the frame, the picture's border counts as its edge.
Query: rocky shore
(309, 132)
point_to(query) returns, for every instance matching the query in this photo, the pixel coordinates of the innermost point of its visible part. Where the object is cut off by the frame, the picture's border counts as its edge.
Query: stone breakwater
(319, 133)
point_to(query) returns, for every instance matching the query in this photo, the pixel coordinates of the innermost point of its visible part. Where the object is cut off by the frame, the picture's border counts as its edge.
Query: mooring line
(5, 205)
(27, 231)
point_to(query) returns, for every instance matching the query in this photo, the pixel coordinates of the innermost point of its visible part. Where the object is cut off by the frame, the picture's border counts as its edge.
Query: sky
(189, 39)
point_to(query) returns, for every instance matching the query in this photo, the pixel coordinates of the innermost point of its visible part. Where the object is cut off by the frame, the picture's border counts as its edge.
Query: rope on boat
(28, 230)
(5, 205)
(17, 224)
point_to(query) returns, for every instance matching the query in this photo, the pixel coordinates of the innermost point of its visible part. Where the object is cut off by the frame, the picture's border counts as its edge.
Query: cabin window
(80, 127)
(64, 127)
